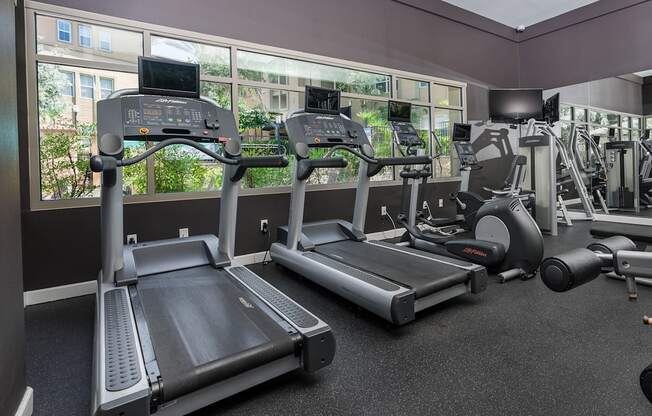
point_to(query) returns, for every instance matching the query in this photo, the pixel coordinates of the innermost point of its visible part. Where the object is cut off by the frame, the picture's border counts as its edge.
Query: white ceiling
(519, 12)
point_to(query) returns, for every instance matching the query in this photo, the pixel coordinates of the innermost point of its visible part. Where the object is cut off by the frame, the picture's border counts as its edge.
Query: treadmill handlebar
(305, 167)
(378, 165)
(101, 163)
(274, 161)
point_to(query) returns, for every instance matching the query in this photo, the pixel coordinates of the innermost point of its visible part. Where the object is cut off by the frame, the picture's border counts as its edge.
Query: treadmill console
(465, 153)
(407, 135)
(156, 118)
(324, 130)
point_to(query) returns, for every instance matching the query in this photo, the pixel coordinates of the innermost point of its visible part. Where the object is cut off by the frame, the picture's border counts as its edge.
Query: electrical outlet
(264, 226)
(383, 210)
(441, 203)
(425, 205)
(183, 233)
(132, 239)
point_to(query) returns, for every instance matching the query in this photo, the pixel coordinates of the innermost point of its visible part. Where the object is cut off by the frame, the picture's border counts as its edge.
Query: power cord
(390, 218)
(269, 246)
(427, 205)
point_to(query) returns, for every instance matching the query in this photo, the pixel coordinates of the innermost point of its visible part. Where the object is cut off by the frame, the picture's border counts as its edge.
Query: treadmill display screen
(398, 111)
(161, 77)
(461, 132)
(322, 100)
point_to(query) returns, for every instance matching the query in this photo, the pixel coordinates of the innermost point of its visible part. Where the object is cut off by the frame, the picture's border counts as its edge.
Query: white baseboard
(51, 294)
(26, 407)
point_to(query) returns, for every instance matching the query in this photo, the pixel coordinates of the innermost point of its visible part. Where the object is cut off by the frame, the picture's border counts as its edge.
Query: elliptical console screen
(322, 100)
(461, 132)
(163, 77)
(399, 111)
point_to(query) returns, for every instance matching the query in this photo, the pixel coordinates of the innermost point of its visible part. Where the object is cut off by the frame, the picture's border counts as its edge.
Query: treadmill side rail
(132, 400)
(390, 301)
(318, 345)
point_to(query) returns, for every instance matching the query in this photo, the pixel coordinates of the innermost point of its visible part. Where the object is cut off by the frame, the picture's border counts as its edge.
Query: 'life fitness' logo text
(170, 101)
(474, 251)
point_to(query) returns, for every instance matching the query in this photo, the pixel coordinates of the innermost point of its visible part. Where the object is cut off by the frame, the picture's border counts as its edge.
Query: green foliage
(51, 82)
(178, 170)
(221, 93)
(212, 61)
(65, 171)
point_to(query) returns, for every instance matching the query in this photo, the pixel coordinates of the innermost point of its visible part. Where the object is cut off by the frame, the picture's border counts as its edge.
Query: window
(106, 87)
(579, 114)
(447, 95)
(105, 41)
(267, 68)
(84, 36)
(213, 60)
(67, 137)
(125, 52)
(259, 86)
(444, 120)
(87, 86)
(67, 84)
(64, 31)
(407, 89)
(565, 112)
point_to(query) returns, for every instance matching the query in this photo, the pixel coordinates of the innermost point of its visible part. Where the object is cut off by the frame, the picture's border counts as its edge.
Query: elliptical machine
(503, 236)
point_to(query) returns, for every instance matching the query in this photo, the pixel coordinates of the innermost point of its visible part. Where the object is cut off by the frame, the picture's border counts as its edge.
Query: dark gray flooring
(516, 349)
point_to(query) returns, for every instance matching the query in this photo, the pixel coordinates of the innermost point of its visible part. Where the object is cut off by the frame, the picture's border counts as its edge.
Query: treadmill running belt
(421, 274)
(205, 329)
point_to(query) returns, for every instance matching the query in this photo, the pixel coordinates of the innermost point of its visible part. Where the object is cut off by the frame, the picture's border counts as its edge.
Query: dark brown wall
(380, 32)
(605, 39)
(70, 238)
(12, 339)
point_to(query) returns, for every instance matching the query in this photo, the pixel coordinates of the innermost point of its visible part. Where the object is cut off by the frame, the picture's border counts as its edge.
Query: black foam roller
(571, 269)
(646, 382)
(612, 244)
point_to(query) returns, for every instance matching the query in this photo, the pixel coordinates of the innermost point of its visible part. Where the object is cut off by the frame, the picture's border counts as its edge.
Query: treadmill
(177, 326)
(390, 281)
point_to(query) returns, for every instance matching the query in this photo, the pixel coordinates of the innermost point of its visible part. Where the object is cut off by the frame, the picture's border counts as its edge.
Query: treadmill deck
(420, 273)
(205, 328)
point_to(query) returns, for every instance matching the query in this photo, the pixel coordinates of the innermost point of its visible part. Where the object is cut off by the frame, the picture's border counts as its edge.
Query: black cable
(269, 246)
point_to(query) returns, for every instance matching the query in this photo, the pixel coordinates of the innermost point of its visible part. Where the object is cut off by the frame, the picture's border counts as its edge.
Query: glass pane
(373, 117)
(273, 69)
(213, 60)
(67, 136)
(446, 95)
(580, 114)
(564, 112)
(636, 123)
(124, 47)
(407, 89)
(603, 118)
(625, 135)
(648, 123)
(444, 120)
(221, 93)
(565, 132)
(624, 121)
(257, 110)
(180, 168)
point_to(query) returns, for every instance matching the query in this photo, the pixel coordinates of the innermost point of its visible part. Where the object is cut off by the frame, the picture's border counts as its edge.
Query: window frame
(108, 42)
(80, 36)
(102, 89)
(59, 31)
(82, 86)
(71, 74)
(147, 30)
